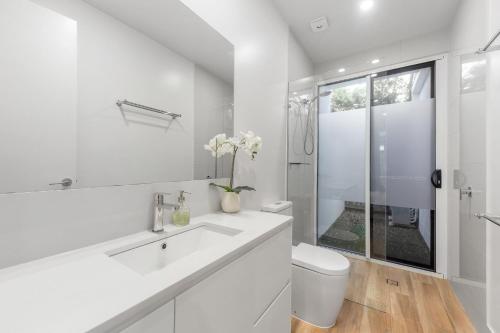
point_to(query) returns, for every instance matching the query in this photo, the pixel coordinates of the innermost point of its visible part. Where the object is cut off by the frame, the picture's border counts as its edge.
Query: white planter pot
(230, 202)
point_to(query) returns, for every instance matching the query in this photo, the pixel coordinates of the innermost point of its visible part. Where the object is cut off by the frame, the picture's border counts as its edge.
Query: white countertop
(86, 290)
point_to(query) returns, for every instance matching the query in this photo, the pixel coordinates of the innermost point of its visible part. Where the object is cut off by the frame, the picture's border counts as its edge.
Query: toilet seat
(320, 260)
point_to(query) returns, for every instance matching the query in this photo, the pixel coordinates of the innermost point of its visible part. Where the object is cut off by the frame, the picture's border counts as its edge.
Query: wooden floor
(410, 302)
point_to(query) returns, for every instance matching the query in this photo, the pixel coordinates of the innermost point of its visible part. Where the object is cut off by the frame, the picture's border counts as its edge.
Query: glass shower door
(341, 166)
(403, 159)
(301, 152)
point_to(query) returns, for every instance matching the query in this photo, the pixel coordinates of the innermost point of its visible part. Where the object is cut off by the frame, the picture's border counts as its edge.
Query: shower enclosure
(372, 164)
(301, 158)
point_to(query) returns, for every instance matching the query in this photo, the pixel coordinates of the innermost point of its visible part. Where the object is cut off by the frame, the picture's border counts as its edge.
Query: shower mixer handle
(467, 192)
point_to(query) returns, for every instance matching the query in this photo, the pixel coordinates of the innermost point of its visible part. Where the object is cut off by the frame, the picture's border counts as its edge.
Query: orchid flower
(220, 145)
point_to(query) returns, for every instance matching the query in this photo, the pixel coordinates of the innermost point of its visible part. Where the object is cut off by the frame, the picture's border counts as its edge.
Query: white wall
(469, 27)
(493, 192)
(466, 248)
(299, 63)
(493, 174)
(475, 23)
(260, 38)
(38, 224)
(473, 168)
(405, 50)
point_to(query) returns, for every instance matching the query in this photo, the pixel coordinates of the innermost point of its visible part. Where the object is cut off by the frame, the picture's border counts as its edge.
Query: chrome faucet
(159, 207)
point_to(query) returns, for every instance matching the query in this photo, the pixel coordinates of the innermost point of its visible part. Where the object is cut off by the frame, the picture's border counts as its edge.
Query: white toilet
(319, 278)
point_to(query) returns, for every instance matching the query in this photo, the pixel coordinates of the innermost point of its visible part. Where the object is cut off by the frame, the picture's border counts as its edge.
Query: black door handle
(436, 178)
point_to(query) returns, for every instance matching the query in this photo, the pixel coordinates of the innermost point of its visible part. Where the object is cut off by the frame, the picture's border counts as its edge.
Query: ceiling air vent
(319, 24)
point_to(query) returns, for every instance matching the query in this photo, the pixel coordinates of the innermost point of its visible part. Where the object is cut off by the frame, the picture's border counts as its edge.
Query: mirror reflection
(109, 93)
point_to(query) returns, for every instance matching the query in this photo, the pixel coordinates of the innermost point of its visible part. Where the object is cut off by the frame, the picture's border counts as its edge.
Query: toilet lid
(321, 260)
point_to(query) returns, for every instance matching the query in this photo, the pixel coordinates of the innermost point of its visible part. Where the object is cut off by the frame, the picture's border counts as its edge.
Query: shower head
(304, 104)
(323, 94)
(306, 101)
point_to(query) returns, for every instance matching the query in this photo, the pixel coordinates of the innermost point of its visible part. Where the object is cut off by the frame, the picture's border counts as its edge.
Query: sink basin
(150, 256)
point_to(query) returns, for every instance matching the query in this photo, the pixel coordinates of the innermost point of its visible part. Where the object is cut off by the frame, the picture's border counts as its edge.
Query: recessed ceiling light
(374, 75)
(341, 70)
(366, 5)
(375, 61)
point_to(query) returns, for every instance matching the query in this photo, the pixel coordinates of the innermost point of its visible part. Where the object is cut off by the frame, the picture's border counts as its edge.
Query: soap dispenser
(181, 215)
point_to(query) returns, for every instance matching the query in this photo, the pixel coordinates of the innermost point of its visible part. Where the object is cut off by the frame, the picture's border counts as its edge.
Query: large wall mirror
(90, 92)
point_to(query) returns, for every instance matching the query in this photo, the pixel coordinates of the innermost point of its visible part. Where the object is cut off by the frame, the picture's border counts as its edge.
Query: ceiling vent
(319, 24)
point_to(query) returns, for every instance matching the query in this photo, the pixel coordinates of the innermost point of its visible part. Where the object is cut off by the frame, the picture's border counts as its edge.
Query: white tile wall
(39, 224)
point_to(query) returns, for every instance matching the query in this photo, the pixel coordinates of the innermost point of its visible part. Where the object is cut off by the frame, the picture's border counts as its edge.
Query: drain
(392, 282)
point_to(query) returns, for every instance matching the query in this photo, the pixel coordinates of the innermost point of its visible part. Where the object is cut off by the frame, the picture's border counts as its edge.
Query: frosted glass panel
(342, 154)
(403, 158)
(341, 167)
(403, 154)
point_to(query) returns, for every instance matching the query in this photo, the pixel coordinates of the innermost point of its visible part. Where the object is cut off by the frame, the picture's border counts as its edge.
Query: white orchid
(250, 143)
(234, 143)
(220, 145)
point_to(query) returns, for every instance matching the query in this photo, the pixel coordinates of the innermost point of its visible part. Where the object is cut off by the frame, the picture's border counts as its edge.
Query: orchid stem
(231, 180)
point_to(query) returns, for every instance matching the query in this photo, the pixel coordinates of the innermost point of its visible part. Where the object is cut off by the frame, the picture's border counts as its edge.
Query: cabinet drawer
(159, 321)
(235, 297)
(218, 304)
(272, 262)
(276, 319)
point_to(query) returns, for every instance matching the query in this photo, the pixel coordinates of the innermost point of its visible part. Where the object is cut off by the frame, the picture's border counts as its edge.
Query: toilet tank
(279, 207)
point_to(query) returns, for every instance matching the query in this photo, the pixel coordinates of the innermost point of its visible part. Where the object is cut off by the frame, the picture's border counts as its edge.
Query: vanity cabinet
(277, 316)
(251, 294)
(159, 321)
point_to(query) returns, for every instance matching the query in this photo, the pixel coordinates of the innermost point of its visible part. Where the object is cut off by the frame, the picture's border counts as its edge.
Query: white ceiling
(175, 26)
(352, 30)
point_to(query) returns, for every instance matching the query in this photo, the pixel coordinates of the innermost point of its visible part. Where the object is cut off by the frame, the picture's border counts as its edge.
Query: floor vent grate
(392, 282)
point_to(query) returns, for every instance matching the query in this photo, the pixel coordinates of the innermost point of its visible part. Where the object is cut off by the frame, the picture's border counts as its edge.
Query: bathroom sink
(147, 257)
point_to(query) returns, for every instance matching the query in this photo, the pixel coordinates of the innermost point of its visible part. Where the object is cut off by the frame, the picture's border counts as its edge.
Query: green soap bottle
(181, 215)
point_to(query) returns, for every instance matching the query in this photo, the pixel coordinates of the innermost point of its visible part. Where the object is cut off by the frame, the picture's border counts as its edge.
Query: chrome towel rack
(492, 219)
(488, 47)
(120, 103)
